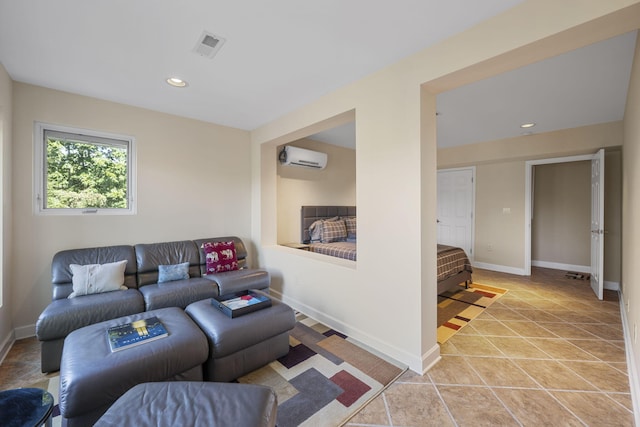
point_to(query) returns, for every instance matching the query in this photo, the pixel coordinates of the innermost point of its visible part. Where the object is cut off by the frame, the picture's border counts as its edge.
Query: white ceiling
(279, 55)
(583, 87)
(282, 54)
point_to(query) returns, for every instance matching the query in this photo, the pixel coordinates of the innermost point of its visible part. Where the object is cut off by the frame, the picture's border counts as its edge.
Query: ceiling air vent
(208, 45)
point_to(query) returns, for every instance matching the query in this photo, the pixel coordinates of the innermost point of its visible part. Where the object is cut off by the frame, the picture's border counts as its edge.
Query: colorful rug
(457, 308)
(323, 381)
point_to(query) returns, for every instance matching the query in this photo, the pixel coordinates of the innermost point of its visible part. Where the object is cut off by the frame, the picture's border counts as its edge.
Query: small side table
(294, 245)
(22, 407)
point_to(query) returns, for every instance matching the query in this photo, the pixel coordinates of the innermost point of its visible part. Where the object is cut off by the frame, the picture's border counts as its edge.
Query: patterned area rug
(323, 381)
(456, 309)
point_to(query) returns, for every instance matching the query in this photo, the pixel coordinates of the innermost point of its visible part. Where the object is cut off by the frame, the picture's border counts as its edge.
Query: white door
(597, 223)
(456, 208)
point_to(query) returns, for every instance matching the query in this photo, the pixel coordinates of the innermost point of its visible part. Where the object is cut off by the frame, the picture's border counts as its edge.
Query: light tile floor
(547, 353)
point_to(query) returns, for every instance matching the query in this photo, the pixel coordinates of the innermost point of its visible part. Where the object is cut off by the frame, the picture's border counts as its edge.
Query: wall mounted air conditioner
(294, 156)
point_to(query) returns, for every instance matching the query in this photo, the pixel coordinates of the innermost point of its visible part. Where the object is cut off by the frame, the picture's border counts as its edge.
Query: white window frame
(98, 136)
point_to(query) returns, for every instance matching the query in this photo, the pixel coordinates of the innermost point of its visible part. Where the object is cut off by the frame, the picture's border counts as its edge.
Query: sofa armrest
(240, 280)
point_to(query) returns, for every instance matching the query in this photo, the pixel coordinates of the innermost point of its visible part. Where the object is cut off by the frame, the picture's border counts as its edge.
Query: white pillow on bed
(315, 231)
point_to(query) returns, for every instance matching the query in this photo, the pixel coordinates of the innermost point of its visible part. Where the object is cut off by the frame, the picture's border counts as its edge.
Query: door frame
(597, 210)
(473, 205)
(528, 202)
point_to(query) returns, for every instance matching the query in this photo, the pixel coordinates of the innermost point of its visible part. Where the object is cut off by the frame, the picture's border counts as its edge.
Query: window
(83, 172)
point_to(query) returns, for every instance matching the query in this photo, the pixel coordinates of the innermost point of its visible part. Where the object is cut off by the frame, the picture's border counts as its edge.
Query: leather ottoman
(242, 344)
(92, 377)
(196, 404)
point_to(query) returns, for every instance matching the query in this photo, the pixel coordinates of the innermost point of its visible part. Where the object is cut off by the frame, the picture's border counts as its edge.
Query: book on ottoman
(239, 303)
(135, 333)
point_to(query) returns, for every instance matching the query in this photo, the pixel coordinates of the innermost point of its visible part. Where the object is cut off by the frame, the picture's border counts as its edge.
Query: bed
(334, 243)
(454, 267)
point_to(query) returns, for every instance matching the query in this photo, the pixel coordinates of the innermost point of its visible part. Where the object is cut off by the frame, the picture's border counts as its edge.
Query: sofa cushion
(170, 273)
(220, 256)
(61, 275)
(230, 282)
(149, 256)
(97, 278)
(210, 404)
(63, 316)
(179, 293)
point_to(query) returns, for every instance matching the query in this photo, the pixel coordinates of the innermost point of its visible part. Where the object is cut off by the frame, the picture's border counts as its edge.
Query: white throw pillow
(97, 278)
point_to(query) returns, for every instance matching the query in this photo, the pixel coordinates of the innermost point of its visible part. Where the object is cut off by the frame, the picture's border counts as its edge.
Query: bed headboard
(310, 214)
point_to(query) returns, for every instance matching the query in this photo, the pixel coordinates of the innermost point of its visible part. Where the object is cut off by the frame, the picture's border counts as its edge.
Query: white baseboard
(430, 358)
(14, 335)
(634, 374)
(612, 286)
(380, 348)
(500, 268)
(6, 345)
(25, 332)
(561, 266)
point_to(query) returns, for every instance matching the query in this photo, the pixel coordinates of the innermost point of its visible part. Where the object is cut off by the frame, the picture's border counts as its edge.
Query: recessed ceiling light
(176, 82)
(527, 125)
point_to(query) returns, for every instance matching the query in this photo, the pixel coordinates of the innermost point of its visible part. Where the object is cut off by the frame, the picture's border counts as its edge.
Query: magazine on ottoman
(135, 333)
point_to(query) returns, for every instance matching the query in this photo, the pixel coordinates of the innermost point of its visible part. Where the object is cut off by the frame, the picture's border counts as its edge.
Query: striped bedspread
(451, 260)
(346, 250)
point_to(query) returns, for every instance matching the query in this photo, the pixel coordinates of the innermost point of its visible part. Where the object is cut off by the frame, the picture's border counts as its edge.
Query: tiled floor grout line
(564, 361)
(505, 387)
(495, 395)
(386, 408)
(444, 403)
(548, 392)
(573, 367)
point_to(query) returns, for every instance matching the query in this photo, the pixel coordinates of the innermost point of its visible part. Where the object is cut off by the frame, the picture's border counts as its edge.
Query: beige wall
(561, 223)
(6, 322)
(502, 163)
(630, 215)
(566, 142)
(193, 181)
(296, 187)
(499, 235)
(396, 173)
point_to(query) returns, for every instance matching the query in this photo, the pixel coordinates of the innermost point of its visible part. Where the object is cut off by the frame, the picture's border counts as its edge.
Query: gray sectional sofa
(64, 315)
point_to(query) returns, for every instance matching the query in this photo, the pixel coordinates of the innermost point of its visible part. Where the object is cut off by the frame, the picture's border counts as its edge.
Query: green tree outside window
(85, 175)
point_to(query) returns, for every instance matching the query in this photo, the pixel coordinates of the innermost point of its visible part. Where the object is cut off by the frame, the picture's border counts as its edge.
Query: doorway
(596, 213)
(560, 219)
(456, 208)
